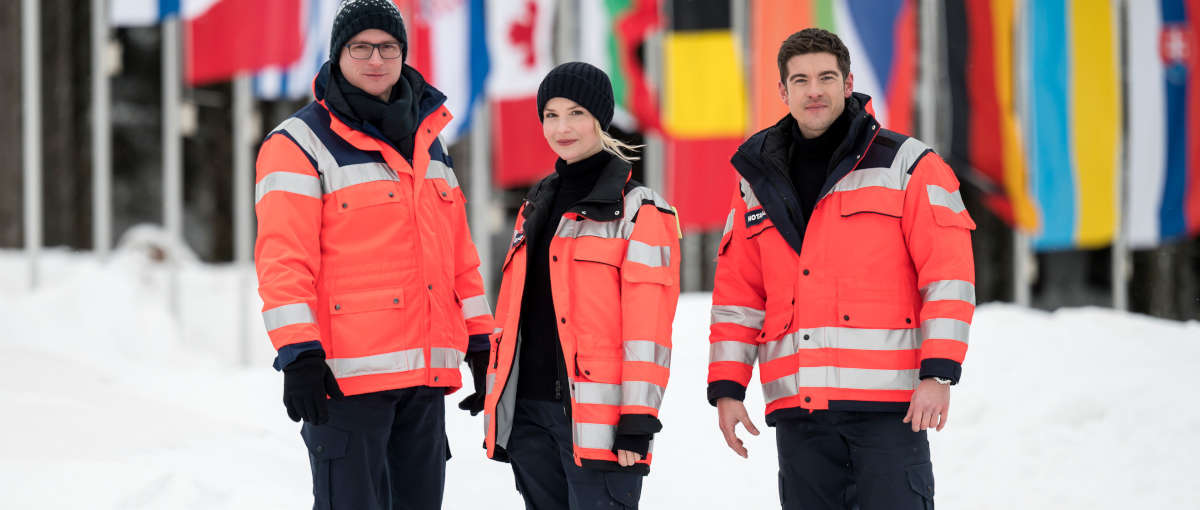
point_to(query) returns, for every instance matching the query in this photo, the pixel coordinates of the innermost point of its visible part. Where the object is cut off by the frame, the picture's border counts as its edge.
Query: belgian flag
(704, 109)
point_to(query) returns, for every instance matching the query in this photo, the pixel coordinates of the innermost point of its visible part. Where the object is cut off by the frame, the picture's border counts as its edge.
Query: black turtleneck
(542, 367)
(811, 159)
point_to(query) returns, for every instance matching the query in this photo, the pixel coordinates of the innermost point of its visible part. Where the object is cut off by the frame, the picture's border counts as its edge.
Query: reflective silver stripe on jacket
(387, 363)
(476, 306)
(946, 329)
(445, 357)
(949, 199)
(491, 382)
(648, 351)
(949, 290)
(732, 350)
(309, 142)
(840, 377)
(840, 338)
(350, 175)
(604, 229)
(653, 256)
(894, 176)
(642, 393)
(291, 182)
(286, 315)
(728, 224)
(594, 435)
(741, 315)
(748, 195)
(597, 393)
(439, 170)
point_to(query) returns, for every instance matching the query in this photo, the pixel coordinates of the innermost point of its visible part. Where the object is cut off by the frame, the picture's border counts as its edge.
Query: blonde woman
(589, 289)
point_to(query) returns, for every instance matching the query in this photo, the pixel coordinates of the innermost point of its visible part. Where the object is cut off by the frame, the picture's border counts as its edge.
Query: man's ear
(849, 84)
(783, 93)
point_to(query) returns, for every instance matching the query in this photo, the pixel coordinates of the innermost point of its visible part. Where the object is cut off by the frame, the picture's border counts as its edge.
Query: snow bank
(111, 401)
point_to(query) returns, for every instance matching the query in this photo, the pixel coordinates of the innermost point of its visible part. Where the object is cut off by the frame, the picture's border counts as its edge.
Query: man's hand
(627, 458)
(729, 412)
(930, 407)
(306, 382)
(477, 361)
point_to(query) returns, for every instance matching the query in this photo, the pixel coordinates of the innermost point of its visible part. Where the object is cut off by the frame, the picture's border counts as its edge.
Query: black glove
(306, 381)
(477, 361)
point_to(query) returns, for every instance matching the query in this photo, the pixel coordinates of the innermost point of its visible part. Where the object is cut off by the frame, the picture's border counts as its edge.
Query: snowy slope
(107, 401)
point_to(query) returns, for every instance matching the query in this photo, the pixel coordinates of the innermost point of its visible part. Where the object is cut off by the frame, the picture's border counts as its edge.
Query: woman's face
(570, 129)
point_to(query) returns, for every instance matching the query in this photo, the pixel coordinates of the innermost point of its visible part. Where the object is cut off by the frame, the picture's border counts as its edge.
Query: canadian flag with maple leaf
(519, 33)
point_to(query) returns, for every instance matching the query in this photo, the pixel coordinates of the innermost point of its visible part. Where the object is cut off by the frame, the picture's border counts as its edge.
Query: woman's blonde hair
(616, 147)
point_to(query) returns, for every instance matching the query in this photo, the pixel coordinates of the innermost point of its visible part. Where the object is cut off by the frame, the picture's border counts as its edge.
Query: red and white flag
(225, 37)
(519, 35)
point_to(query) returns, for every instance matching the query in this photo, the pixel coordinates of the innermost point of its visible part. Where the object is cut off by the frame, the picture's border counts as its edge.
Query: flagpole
(101, 132)
(172, 152)
(1023, 269)
(654, 158)
(243, 178)
(930, 72)
(481, 219)
(31, 119)
(568, 31)
(1120, 247)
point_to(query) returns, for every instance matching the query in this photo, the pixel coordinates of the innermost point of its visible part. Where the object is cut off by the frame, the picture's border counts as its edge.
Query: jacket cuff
(941, 367)
(476, 343)
(639, 443)
(721, 389)
(290, 352)
(638, 424)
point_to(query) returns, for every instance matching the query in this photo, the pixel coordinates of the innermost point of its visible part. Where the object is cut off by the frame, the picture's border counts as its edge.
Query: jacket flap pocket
(366, 301)
(887, 202)
(599, 369)
(444, 191)
(604, 251)
(946, 217)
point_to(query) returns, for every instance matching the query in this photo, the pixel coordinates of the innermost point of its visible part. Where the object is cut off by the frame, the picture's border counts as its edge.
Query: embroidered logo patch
(755, 216)
(517, 237)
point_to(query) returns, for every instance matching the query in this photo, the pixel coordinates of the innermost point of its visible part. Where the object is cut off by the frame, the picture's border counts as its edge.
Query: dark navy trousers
(837, 460)
(543, 463)
(380, 451)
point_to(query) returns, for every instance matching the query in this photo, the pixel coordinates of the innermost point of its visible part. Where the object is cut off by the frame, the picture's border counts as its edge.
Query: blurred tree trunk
(11, 202)
(66, 123)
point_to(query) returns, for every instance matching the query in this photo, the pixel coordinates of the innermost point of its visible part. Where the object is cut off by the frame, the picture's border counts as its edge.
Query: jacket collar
(431, 99)
(605, 202)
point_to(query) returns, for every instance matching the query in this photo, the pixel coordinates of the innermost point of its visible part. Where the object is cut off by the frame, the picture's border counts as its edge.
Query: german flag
(986, 148)
(704, 103)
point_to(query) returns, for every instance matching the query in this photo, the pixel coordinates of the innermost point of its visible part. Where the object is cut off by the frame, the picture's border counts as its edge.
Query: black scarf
(397, 119)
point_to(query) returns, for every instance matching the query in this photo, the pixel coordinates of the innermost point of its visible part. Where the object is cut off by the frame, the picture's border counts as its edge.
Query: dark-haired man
(369, 279)
(845, 271)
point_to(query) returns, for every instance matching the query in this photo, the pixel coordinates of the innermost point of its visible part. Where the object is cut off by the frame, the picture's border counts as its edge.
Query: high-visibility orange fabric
(880, 293)
(367, 254)
(614, 276)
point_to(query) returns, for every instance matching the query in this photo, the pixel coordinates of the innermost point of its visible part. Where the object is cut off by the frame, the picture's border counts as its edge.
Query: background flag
(233, 36)
(519, 35)
(1163, 183)
(704, 116)
(1072, 120)
(985, 143)
(448, 45)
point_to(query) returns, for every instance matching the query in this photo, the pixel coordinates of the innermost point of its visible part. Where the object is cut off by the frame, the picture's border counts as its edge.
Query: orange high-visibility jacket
(614, 276)
(365, 253)
(850, 310)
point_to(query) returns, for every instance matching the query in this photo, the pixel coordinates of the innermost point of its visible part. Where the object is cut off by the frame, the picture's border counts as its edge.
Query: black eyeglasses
(363, 51)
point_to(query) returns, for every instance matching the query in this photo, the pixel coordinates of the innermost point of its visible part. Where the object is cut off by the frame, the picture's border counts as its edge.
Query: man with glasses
(370, 281)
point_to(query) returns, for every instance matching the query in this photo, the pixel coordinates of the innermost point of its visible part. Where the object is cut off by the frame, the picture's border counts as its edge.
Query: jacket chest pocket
(446, 194)
(365, 185)
(872, 204)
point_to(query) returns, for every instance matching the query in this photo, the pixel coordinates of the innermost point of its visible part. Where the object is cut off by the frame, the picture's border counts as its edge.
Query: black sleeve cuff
(291, 352)
(721, 389)
(638, 424)
(941, 367)
(639, 444)
(476, 343)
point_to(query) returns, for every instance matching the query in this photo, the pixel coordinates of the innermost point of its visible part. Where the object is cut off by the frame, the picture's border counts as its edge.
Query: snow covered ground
(109, 401)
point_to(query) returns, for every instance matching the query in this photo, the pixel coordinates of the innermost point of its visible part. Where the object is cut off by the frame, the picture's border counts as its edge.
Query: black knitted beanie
(580, 82)
(354, 16)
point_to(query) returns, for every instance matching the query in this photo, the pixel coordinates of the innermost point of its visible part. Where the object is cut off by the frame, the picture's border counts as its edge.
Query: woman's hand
(627, 458)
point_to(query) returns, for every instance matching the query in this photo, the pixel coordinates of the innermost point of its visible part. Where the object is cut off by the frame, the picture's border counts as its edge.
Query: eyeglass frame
(374, 48)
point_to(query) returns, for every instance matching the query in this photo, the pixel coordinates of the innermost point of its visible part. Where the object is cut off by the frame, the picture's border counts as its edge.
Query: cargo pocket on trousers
(624, 488)
(325, 445)
(920, 479)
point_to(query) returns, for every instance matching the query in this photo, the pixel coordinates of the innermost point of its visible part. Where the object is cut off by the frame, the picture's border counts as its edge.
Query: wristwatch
(942, 380)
